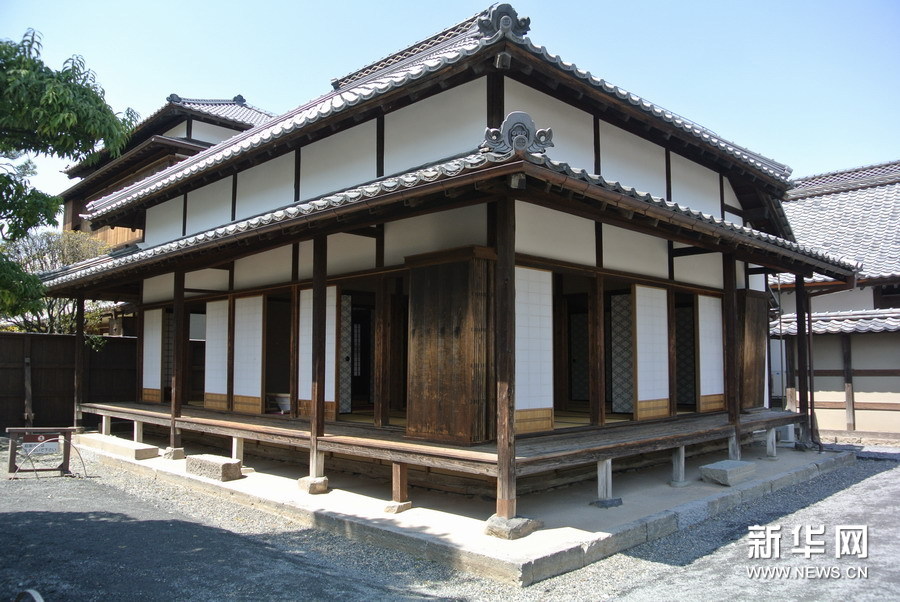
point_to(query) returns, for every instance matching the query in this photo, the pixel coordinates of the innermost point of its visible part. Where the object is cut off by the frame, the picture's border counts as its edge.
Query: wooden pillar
(317, 407)
(596, 352)
(771, 448)
(505, 358)
(179, 359)
(138, 431)
(802, 360)
(605, 497)
(678, 479)
(732, 383)
(139, 356)
(237, 448)
(382, 358)
(79, 356)
(399, 489)
(849, 400)
(734, 445)
(295, 351)
(229, 353)
(105, 425)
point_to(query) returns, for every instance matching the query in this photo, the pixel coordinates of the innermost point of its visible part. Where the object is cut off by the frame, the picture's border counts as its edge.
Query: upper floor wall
(438, 127)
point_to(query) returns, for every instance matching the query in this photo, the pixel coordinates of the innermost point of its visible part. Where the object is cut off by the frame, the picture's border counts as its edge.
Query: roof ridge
(846, 171)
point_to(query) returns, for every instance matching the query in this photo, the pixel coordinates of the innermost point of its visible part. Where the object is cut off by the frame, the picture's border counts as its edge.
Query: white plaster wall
(555, 235)
(635, 252)
(179, 131)
(338, 162)
(305, 268)
(434, 232)
(695, 186)
(152, 354)
(268, 267)
(209, 279)
(757, 281)
(705, 270)
(876, 351)
(534, 339)
(573, 129)
(265, 187)
(443, 125)
(632, 161)
(349, 253)
(739, 270)
(776, 352)
(730, 196)
(733, 218)
(159, 288)
(712, 361)
(211, 133)
(248, 351)
(163, 222)
(306, 343)
(216, 363)
(652, 342)
(209, 207)
(827, 354)
(843, 301)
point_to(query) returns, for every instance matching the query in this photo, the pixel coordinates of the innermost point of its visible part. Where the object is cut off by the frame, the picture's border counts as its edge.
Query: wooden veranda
(535, 454)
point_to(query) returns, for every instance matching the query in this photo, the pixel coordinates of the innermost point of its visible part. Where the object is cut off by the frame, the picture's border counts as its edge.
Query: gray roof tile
(841, 322)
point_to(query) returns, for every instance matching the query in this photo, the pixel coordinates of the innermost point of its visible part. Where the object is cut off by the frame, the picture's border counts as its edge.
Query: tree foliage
(44, 111)
(45, 252)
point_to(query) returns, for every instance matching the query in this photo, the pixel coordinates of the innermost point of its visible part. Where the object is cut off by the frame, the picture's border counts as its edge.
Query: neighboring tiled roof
(396, 72)
(842, 322)
(235, 109)
(362, 194)
(859, 219)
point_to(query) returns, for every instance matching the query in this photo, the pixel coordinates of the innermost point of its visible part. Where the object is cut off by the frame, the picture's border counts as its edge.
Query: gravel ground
(111, 536)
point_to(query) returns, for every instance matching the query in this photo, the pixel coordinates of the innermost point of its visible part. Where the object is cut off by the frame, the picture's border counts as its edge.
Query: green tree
(44, 111)
(44, 252)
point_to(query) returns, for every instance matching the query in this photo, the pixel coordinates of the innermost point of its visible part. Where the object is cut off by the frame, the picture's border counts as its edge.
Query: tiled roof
(842, 322)
(235, 109)
(466, 39)
(859, 219)
(441, 171)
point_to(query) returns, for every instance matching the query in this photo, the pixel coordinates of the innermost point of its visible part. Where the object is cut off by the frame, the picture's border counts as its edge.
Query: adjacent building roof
(360, 198)
(841, 322)
(230, 112)
(853, 213)
(499, 24)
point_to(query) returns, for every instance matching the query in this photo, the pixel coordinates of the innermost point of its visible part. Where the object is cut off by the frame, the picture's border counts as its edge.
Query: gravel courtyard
(114, 536)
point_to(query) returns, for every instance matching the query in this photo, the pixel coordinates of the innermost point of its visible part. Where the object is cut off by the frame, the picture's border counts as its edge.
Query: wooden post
(295, 351)
(105, 425)
(29, 400)
(316, 481)
(79, 356)
(802, 360)
(678, 479)
(237, 448)
(179, 359)
(849, 400)
(732, 373)
(139, 356)
(138, 431)
(734, 445)
(399, 489)
(505, 359)
(596, 352)
(382, 400)
(605, 497)
(771, 447)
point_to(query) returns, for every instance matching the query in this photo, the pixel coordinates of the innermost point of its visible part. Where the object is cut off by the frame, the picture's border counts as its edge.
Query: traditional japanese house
(854, 330)
(471, 258)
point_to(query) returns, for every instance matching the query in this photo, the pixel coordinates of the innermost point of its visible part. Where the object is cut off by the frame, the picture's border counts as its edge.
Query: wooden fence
(45, 363)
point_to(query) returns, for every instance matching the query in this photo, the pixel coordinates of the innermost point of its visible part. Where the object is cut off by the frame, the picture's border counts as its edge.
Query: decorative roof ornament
(518, 134)
(503, 18)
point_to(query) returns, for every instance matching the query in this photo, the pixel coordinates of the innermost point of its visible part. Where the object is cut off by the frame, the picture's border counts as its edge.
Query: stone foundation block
(217, 468)
(511, 528)
(727, 472)
(397, 507)
(313, 485)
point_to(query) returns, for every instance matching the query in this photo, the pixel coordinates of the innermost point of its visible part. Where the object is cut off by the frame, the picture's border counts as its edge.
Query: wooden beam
(505, 357)
(317, 407)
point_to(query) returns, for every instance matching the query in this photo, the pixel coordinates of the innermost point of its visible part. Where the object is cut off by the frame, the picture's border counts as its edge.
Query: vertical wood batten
(849, 398)
(505, 359)
(802, 368)
(317, 407)
(596, 352)
(79, 356)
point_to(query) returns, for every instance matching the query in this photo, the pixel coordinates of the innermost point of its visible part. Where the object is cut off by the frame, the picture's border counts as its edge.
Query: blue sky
(813, 84)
